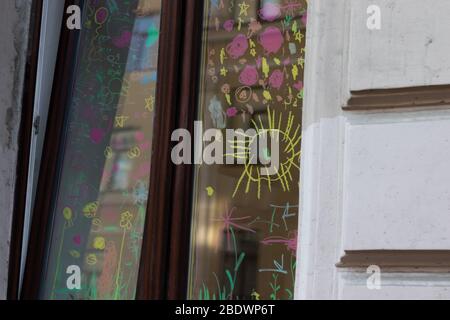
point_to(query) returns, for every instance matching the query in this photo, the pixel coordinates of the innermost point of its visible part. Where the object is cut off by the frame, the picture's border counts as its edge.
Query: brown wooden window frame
(163, 271)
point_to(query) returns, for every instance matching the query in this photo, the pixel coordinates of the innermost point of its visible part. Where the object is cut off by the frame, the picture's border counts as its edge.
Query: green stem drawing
(119, 266)
(222, 294)
(58, 262)
(275, 287)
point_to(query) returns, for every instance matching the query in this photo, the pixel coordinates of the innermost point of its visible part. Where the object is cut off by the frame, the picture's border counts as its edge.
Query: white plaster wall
(14, 21)
(319, 236)
(395, 286)
(373, 180)
(397, 181)
(410, 49)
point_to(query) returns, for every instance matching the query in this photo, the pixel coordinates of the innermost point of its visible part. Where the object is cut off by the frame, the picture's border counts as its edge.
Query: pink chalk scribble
(290, 243)
(123, 40)
(140, 136)
(249, 76)
(276, 79)
(270, 12)
(229, 223)
(228, 25)
(97, 135)
(298, 85)
(271, 39)
(305, 19)
(253, 28)
(238, 46)
(77, 240)
(101, 15)
(232, 112)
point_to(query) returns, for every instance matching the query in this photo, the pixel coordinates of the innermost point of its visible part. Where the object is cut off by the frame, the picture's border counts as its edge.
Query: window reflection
(101, 201)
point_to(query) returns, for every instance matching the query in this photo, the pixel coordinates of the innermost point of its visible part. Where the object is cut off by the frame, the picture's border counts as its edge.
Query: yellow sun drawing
(289, 134)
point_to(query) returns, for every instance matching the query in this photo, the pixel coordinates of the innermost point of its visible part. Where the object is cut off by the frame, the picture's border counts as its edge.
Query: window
(115, 218)
(244, 229)
(99, 205)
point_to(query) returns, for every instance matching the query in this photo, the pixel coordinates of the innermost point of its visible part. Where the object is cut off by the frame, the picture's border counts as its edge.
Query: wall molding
(396, 259)
(422, 96)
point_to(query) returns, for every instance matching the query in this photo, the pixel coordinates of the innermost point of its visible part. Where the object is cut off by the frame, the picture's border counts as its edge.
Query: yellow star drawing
(150, 104)
(301, 62)
(223, 71)
(244, 9)
(299, 36)
(120, 121)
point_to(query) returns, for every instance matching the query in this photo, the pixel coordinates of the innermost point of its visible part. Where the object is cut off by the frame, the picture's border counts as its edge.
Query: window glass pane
(100, 206)
(244, 229)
